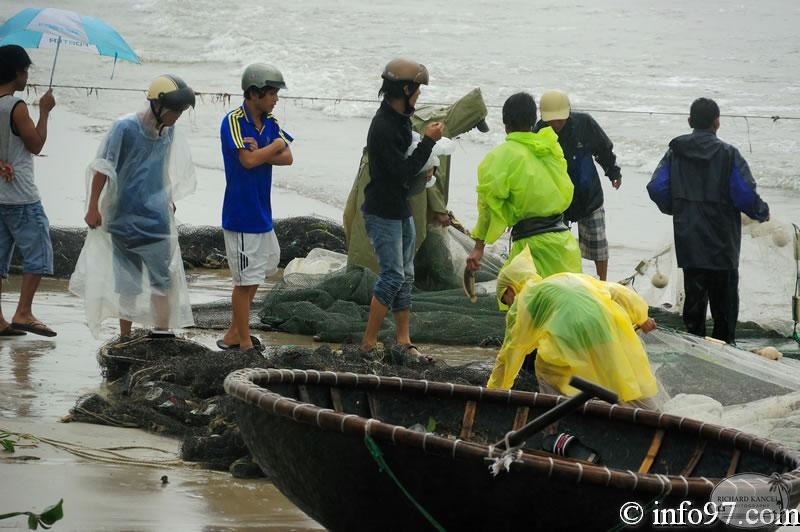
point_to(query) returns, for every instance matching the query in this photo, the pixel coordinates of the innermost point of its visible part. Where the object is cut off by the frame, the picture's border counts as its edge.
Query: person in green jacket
(523, 184)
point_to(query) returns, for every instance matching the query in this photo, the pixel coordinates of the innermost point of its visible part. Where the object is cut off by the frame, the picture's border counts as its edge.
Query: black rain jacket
(583, 140)
(704, 183)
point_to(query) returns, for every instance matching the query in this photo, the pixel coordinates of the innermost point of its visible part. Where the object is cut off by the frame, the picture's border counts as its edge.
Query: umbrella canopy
(53, 28)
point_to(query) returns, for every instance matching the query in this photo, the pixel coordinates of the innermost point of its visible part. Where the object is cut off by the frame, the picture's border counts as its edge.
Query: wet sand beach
(40, 380)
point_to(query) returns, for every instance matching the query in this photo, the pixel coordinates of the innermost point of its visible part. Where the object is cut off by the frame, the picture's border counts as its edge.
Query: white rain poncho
(131, 264)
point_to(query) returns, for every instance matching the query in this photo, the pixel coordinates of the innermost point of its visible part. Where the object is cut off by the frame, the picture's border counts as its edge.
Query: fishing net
(334, 307)
(769, 280)
(721, 384)
(321, 296)
(336, 310)
(175, 387)
(684, 363)
(203, 246)
(67, 245)
(440, 260)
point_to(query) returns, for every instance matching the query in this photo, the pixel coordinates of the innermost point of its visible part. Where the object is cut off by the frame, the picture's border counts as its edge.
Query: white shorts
(251, 256)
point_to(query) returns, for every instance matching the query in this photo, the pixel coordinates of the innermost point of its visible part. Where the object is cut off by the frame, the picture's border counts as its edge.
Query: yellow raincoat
(579, 325)
(526, 177)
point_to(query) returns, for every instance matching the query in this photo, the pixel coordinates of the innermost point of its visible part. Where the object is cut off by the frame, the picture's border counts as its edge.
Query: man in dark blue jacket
(583, 142)
(704, 183)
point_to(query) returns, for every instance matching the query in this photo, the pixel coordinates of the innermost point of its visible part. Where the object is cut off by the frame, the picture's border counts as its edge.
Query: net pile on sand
(320, 296)
(335, 309)
(175, 387)
(203, 246)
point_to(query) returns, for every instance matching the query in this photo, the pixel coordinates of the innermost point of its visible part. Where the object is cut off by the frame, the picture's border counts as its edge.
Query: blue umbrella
(54, 28)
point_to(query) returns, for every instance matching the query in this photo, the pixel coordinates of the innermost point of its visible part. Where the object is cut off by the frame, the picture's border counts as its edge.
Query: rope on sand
(107, 455)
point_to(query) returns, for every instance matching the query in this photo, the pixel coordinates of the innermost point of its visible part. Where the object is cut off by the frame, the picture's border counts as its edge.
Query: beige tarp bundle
(458, 118)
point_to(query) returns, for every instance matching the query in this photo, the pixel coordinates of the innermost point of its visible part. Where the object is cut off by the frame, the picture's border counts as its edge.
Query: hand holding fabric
(93, 218)
(648, 326)
(475, 256)
(442, 218)
(434, 130)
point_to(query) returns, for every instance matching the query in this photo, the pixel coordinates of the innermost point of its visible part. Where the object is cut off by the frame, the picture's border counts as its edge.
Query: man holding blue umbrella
(23, 222)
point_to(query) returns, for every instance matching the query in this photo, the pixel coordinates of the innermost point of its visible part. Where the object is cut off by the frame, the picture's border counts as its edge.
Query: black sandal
(160, 335)
(223, 346)
(418, 356)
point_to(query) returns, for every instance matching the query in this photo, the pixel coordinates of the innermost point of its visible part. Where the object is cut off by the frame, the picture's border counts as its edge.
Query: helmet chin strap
(156, 112)
(409, 108)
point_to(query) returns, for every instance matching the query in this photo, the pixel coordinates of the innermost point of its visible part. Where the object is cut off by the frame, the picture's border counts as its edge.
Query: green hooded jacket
(526, 177)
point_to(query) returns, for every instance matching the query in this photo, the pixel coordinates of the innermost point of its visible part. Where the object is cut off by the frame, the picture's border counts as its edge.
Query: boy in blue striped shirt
(252, 143)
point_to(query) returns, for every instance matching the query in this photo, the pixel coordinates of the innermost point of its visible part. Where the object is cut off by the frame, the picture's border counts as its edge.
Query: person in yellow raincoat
(579, 326)
(524, 184)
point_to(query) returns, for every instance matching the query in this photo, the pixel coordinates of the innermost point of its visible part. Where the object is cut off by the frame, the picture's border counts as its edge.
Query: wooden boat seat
(652, 452)
(694, 459)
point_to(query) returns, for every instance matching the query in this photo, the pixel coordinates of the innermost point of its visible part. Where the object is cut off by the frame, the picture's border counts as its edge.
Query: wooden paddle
(588, 390)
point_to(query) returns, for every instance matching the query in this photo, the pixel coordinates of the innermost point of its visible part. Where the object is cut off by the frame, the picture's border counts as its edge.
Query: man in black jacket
(387, 216)
(704, 183)
(583, 141)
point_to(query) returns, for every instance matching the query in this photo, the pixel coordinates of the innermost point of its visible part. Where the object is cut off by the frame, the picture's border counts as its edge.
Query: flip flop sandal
(35, 327)
(418, 357)
(11, 331)
(224, 347)
(161, 335)
(376, 352)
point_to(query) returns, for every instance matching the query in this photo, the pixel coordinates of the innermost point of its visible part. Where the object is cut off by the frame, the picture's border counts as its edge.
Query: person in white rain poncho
(130, 266)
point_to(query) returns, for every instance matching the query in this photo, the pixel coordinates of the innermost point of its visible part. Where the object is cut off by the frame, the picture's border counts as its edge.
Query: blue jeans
(393, 241)
(27, 227)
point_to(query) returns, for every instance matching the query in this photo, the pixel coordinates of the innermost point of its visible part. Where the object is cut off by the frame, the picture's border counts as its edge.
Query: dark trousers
(720, 288)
